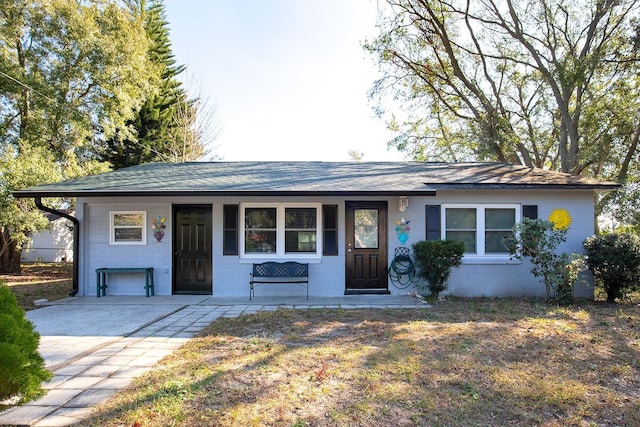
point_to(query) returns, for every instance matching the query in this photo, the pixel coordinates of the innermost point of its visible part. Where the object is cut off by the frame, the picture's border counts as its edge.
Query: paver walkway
(91, 378)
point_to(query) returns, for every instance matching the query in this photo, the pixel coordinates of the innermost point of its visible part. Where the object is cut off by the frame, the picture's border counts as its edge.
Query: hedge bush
(614, 259)
(22, 368)
(434, 259)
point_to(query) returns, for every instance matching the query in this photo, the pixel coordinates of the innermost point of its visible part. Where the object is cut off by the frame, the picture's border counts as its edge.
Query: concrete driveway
(76, 326)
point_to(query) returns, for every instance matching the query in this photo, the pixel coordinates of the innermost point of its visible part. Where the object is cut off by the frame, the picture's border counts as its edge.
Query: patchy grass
(38, 281)
(476, 362)
(466, 362)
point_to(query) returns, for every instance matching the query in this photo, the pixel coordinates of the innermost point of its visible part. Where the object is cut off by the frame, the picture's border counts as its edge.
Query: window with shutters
(482, 228)
(280, 230)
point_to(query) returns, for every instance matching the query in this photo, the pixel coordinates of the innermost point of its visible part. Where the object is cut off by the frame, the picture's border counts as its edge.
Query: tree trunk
(631, 152)
(9, 255)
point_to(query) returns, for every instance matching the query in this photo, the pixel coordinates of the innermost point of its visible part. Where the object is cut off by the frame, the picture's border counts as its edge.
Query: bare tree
(195, 129)
(546, 83)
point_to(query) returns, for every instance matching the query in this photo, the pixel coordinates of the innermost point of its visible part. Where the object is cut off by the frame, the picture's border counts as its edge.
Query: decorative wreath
(560, 218)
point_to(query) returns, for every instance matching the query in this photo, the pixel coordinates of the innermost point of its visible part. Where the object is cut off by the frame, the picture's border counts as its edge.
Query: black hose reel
(402, 271)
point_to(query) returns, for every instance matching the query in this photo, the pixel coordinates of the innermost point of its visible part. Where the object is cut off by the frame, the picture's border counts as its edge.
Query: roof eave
(192, 193)
(592, 187)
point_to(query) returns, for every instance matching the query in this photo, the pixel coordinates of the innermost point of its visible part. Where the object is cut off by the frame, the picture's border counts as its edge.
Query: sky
(289, 78)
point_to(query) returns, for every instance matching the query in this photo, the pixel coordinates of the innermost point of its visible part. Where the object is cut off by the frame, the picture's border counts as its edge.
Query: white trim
(251, 260)
(112, 227)
(280, 232)
(480, 257)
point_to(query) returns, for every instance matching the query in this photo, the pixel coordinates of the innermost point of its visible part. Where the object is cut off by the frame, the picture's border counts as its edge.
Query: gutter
(28, 193)
(76, 239)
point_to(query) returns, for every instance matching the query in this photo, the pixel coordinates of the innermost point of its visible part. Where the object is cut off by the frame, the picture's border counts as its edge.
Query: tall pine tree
(158, 120)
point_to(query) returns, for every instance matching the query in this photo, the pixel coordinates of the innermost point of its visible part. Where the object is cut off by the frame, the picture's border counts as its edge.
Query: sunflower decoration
(560, 218)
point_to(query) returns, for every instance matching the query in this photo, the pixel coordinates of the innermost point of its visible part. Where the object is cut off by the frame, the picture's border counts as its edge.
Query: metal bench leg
(101, 284)
(148, 283)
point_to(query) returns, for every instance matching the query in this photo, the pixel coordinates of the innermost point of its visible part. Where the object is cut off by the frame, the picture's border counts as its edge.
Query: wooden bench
(268, 273)
(102, 278)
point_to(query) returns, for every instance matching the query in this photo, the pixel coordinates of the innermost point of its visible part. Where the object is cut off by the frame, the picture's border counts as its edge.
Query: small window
(498, 225)
(300, 232)
(260, 230)
(366, 228)
(461, 226)
(128, 228)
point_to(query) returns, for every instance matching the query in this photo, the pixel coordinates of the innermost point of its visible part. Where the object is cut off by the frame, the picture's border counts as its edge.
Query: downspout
(76, 240)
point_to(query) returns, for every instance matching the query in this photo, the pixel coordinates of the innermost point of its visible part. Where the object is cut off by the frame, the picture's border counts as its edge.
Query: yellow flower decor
(560, 218)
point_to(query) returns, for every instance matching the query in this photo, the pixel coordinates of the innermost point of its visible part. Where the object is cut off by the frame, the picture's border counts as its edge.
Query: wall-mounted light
(403, 203)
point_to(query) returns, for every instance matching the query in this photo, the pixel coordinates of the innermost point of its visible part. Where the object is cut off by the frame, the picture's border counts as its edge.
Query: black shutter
(330, 229)
(432, 215)
(530, 211)
(230, 230)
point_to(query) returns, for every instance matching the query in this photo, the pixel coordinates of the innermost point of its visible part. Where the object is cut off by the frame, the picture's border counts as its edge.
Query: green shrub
(614, 259)
(538, 240)
(434, 259)
(21, 366)
(633, 229)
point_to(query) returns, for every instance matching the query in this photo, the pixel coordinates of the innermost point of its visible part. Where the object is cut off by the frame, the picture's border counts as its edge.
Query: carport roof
(310, 178)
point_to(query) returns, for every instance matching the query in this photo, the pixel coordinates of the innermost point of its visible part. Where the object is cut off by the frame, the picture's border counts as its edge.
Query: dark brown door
(192, 273)
(366, 251)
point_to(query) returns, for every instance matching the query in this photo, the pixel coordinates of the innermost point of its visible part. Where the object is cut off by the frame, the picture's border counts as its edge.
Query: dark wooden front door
(192, 272)
(366, 251)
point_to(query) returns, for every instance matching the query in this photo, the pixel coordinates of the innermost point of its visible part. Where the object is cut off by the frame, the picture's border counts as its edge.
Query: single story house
(54, 244)
(202, 226)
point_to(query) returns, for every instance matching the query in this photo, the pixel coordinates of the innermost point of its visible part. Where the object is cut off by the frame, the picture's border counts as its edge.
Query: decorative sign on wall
(402, 230)
(560, 218)
(158, 225)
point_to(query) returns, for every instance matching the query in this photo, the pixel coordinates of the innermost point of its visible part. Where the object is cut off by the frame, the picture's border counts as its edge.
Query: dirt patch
(51, 281)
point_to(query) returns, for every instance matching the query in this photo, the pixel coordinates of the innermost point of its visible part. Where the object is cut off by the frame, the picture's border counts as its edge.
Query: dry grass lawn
(483, 362)
(465, 362)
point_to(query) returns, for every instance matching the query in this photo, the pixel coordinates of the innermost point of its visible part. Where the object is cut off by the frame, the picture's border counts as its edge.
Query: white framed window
(482, 228)
(128, 228)
(278, 230)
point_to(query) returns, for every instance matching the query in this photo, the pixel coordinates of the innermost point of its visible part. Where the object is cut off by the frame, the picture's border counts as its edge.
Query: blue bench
(103, 272)
(269, 273)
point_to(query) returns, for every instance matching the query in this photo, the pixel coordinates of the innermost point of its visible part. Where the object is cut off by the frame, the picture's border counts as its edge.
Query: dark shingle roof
(318, 178)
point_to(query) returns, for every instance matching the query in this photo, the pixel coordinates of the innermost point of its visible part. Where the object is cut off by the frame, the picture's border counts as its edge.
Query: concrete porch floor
(280, 301)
